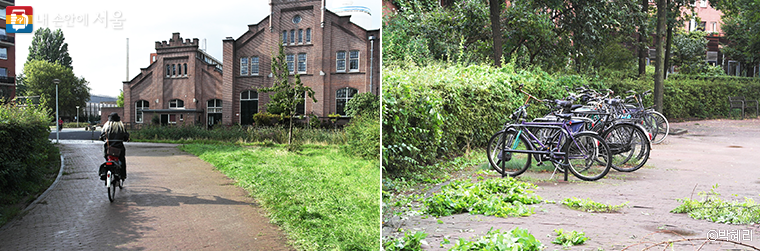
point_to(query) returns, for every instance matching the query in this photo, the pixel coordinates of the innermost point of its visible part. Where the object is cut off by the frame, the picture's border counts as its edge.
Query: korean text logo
(18, 19)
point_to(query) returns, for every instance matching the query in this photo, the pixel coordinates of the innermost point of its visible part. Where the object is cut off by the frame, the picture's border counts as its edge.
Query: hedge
(434, 111)
(26, 150)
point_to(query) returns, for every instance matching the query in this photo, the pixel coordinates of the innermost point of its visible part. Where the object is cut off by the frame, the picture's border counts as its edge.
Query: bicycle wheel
(508, 163)
(662, 125)
(588, 156)
(629, 146)
(110, 186)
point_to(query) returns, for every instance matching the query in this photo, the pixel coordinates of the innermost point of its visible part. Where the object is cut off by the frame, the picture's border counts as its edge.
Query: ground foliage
(517, 239)
(571, 238)
(591, 206)
(497, 197)
(711, 207)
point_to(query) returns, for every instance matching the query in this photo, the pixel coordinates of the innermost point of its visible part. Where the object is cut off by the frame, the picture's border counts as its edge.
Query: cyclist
(116, 134)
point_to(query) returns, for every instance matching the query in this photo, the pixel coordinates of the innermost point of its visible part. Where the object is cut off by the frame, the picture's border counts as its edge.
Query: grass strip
(322, 198)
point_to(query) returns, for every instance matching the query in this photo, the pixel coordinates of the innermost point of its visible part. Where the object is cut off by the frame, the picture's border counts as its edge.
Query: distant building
(183, 85)
(7, 57)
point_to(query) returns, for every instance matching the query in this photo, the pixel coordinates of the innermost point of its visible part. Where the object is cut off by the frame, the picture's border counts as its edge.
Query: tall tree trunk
(495, 8)
(668, 48)
(662, 19)
(643, 45)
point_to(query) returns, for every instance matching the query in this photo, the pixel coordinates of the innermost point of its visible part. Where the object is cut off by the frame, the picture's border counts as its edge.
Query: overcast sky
(99, 52)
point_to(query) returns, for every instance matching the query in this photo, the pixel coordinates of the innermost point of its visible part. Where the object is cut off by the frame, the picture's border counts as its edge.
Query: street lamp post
(77, 116)
(57, 132)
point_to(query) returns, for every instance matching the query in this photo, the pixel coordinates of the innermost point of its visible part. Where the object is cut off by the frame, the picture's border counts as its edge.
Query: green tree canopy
(49, 46)
(286, 95)
(741, 24)
(72, 91)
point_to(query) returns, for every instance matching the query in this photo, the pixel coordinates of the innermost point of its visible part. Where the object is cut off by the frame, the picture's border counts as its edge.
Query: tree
(49, 46)
(643, 41)
(120, 99)
(72, 91)
(495, 10)
(689, 51)
(659, 71)
(286, 95)
(741, 24)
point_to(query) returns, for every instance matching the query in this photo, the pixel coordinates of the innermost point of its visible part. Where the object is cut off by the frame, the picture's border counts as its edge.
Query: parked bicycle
(512, 150)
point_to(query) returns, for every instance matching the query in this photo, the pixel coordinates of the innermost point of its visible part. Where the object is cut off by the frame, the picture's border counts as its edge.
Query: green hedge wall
(25, 150)
(440, 110)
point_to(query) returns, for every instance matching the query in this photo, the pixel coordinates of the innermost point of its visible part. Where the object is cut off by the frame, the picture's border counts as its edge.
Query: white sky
(99, 53)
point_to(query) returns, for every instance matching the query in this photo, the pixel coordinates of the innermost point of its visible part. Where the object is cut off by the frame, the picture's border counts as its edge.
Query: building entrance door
(247, 109)
(164, 119)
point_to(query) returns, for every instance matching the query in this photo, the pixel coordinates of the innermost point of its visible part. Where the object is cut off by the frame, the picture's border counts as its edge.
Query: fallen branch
(706, 240)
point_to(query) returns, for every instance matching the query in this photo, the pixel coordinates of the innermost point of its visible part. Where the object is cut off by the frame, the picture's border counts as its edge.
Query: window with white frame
(140, 105)
(176, 104)
(243, 66)
(214, 106)
(308, 35)
(290, 58)
(301, 62)
(342, 97)
(292, 36)
(353, 61)
(284, 37)
(254, 65)
(340, 61)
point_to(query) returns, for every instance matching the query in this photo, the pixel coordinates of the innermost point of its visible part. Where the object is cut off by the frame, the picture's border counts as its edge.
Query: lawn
(323, 198)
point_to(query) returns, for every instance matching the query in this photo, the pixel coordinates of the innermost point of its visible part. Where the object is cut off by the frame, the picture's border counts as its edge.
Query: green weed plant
(497, 197)
(591, 206)
(712, 208)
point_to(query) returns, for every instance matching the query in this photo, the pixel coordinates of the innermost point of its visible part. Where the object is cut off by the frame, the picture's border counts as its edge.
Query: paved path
(171, 201)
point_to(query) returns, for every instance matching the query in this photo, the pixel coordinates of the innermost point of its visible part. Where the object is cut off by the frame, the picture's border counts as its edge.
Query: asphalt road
(76, 133)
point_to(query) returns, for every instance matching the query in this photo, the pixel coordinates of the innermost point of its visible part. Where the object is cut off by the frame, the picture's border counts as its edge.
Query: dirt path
(723, 152)
(171, 201)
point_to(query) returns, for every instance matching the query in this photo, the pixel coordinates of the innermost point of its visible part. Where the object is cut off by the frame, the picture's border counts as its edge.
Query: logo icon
(19, 20)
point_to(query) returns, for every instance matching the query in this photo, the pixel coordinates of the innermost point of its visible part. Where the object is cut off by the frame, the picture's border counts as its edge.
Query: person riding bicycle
(115, 135)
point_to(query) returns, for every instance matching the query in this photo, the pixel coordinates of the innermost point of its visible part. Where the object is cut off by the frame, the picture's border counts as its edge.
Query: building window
(301, 62)
(168, 70)
(174, 70)
(214, 106)
(185, 64)
(342, 97)
(292, 36)
(291, 63)
(139, 107)
(3, 53)
(701, 26)
(243, 66)
(308, 35)
(300, 36)
(340, 58)
(179, 70)
(176, 104)
(353, 63)
(284, 37)
(703, 3)
(254, 65)
(3, 72)
(714, 26)
(296, 19)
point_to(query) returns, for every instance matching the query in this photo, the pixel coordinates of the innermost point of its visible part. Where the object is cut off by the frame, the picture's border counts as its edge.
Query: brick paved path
(171, 201)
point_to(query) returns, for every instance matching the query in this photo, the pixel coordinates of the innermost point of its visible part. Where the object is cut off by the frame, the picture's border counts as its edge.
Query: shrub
(363, 136)
(25, 151)
(274, 134)
(265, 119)
(363, 103)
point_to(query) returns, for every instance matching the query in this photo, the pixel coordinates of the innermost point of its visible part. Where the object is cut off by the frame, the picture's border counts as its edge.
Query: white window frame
(300, 36)
(340, 59)
(302, 62)
(176, 103)
(291, 60)
(284, 37)
(293, 37)
(346, 98)
(140, 105)
(214, 107)
(352, 60)
(243, 66)
(308, 35)
(255, 66)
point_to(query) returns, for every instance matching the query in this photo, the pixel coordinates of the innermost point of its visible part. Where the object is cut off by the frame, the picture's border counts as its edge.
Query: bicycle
(110, 173)
(655, 122)
(584, 153)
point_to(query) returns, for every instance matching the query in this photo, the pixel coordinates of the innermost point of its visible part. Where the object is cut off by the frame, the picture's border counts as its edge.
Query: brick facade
(210, 79)
(8, 42)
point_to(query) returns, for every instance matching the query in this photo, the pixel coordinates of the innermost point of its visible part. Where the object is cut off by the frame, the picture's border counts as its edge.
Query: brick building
(7, 57)
(183, 85)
